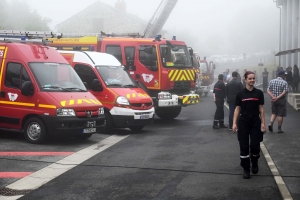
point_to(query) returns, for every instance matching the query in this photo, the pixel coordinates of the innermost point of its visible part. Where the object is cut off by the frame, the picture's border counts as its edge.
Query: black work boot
(254, 167)
(215, 126)
(246, 174)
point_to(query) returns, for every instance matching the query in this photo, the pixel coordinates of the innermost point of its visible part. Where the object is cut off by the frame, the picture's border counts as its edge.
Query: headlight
(164, 95)
(65, 112)
(122, 101)
(101, 111)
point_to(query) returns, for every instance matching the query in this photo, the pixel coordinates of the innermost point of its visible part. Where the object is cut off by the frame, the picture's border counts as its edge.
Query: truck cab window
(129, 54)
(86, 74)
(15, 75)
(148, 59)
(114, 50)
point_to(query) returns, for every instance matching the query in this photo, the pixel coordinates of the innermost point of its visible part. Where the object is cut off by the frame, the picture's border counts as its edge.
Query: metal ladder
(159, 18)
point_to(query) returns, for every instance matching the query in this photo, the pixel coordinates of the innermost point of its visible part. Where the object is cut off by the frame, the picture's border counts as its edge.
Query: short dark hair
(248, 73)
(220, 77)
(234, 74)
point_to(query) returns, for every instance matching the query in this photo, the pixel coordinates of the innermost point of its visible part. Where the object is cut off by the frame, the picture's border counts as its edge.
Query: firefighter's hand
(215, 99)
(263, 128)
(234, 128)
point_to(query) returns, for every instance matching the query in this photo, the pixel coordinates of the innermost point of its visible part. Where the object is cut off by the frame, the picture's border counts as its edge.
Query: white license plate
(144, 116)
(89, 130)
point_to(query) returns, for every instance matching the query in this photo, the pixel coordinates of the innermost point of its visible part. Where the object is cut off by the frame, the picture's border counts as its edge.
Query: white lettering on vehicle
(1, 53)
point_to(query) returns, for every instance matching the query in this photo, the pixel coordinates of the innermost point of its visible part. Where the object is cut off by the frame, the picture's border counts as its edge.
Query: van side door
(14, 105)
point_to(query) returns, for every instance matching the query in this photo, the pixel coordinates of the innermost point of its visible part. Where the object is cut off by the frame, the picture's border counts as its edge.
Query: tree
(17, 15)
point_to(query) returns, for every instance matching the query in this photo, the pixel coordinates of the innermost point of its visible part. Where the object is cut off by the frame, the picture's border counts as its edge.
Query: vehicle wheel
(168, 113)
(108, 123)
(35, 131)
(136, 128)
(84, 137)
(206, 93)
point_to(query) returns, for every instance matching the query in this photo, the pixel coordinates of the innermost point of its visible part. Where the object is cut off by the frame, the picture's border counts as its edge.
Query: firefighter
(219, 95)
(249, 109)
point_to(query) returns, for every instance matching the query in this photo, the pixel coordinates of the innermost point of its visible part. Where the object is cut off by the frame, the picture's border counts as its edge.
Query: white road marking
(278, 179)
(43, 176)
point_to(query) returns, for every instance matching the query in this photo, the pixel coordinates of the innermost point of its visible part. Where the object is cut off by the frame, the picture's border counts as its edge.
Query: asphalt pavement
(180, 159)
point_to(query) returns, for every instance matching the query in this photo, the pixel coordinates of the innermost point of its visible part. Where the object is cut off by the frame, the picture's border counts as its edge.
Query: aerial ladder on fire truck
(159, 18)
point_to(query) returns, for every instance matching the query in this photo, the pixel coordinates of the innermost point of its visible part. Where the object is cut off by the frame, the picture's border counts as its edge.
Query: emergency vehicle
(161, 67)
(206, 75)
(126, 105)
(41, 94)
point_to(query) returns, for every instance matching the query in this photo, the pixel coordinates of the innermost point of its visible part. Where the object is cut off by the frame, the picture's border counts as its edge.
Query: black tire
(206, 93)
(168, 113)
(108, 123)
(84, 136)
(35, 131)
(136, 128)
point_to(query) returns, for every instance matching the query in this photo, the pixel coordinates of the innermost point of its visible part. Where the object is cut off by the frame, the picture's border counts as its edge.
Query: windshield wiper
(115, 85)
(53, 87)
(75, 88)
(130, 86)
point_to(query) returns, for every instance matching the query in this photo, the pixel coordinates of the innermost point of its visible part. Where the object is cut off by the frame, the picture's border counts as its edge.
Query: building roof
(113, 20)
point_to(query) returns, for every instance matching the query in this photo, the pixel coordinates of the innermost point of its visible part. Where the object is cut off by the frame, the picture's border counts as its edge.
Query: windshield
(56, 77)
(203, 67)
(177, 59)
(115, 76)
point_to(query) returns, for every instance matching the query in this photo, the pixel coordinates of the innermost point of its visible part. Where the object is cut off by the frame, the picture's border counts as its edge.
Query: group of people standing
(246, 112)
(292, 78)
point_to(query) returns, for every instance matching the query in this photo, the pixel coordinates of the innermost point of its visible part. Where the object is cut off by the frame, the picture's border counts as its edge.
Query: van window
(114, 50)
(15, 75)
(86, 74)
(148, 59)
(129, 54)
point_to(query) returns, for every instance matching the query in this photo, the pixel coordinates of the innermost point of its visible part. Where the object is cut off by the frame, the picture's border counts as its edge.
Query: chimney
(120, 5)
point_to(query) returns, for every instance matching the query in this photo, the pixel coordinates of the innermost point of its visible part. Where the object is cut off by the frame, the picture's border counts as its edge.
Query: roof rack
(27, 41)
(102, 34)
(28, 34)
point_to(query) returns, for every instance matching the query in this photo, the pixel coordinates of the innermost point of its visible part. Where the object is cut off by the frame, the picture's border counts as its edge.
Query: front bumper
(124, 117)
(73, 126)
(189, 99)
(168, 102)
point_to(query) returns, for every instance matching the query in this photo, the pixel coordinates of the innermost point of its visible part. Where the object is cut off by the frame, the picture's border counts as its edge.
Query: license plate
(144, 116)
(89, 130)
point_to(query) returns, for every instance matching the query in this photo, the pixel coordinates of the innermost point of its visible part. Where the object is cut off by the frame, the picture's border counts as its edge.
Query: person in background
(232, 88)
(296, 78)
(238, 78)
(265, 76)
(249, 109)
(219, 95)
(289, 78)
(277, 90)
(226, 76)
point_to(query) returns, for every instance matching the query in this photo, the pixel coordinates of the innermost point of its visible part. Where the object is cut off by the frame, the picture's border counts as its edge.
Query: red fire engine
(163, 68)
(206, 75)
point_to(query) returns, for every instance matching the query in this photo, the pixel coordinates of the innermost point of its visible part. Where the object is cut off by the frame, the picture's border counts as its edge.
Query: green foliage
(17, 15)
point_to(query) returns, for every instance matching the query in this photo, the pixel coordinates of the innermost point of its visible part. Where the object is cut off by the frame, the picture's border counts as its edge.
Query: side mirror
(86, 85)
(96, 86)
(191, 51)
(27, 88)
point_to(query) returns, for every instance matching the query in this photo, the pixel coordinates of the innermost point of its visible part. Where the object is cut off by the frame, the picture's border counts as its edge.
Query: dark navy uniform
(219, 90)
(249, 124)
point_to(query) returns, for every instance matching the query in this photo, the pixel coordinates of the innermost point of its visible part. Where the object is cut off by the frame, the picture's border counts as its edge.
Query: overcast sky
(220, 26)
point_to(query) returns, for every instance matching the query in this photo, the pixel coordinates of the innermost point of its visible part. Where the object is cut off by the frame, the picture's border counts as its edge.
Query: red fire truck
(206, 75)
(161, 67)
